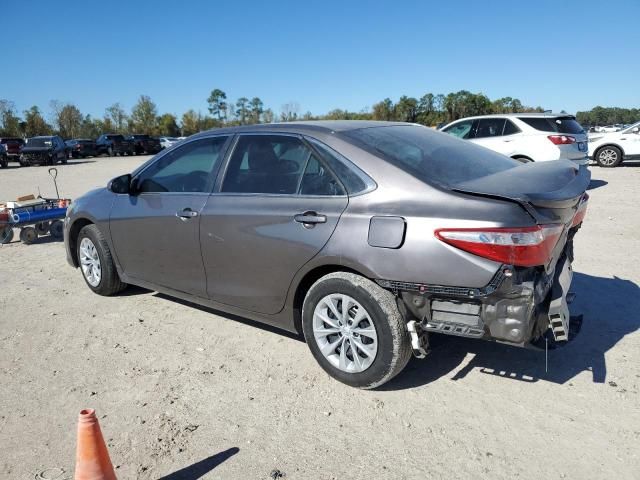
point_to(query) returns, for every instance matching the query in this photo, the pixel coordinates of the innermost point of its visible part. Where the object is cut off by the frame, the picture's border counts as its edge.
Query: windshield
(12, 140)
(115, 137)
(39, 142)
(431, 156)
(635, 125)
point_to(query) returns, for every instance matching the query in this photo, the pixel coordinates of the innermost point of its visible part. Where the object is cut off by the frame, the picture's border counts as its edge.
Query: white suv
(526, 137)
(609, 149)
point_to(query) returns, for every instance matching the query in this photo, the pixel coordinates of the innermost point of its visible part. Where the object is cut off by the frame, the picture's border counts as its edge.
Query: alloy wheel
(90, 262)
(345, 333)
(608, 157)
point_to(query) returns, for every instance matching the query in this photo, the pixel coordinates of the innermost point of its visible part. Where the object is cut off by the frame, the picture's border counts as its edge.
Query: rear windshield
(39, 142)
(12, 140)
(431, 156)
(554, 124)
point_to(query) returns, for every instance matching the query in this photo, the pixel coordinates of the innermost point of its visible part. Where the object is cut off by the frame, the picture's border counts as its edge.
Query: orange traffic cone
(92, 457)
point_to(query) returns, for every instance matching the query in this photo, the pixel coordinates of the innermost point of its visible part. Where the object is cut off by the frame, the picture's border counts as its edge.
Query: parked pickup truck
(12, 146)
(81, 148)
(145, 144)
(113, 144)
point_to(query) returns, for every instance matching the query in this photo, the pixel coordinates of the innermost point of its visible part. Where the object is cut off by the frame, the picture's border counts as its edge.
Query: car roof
(513, 115)
(319, 126)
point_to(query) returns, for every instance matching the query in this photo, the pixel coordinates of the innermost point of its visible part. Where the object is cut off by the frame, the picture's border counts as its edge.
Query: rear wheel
(28, 235)
(354, 330)
(609, 157)
(96, 262)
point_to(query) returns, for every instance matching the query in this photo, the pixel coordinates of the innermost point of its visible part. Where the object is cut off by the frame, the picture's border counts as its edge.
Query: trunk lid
(549, 191)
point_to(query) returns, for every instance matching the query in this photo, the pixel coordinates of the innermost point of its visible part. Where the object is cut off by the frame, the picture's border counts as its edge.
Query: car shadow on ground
(593, 184)
(230, 316)
(611, 309)
(201, 468)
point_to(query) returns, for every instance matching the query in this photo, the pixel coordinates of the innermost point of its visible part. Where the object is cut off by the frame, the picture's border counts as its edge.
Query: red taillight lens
(582, 210)
(561, 139)
(526, 247)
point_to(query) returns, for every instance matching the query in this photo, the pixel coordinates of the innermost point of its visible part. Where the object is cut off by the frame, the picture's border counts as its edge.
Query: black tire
(4, 162)
(64, 160)
(6, 234)
(28, 235)
(394, 344)
(42, 228)
(56, 229)
(608, 156)
(23, 162)
(110, 282)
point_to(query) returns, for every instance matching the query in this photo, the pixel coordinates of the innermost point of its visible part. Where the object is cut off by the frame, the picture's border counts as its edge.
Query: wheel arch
(610, 144)
(72, 237)
(305, 283)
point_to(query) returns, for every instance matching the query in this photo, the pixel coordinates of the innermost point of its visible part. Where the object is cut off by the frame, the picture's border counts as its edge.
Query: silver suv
(365, 237)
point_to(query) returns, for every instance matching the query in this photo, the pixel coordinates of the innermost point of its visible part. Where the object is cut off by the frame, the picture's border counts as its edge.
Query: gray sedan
(365, 237)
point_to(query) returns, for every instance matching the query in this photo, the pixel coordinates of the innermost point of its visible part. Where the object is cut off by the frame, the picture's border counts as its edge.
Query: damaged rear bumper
(520, 306)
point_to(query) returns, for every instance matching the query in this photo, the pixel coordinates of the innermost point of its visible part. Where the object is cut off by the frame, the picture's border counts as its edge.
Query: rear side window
(510, 128)
(277, 164)
(429, 155)
(490, 127)
(554, 124)
(353, 179)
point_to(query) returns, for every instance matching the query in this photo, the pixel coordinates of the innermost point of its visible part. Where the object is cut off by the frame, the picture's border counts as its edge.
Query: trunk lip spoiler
(567, 196)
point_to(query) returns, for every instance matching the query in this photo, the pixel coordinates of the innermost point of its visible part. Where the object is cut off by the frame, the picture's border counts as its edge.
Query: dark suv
(113, 144)
(47, 150)
(143, 143)
(12, 146)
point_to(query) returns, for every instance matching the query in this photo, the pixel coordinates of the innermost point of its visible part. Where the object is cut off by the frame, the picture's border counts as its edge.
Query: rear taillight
(526, 246)
(582, 210)
(561, 139)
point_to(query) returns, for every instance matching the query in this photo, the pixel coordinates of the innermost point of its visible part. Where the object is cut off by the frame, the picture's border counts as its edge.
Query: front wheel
(354, 330)
(609, 157)
(96, 263)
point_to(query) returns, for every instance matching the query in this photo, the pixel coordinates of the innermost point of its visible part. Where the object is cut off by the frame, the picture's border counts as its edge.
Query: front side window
(490, 127)
(460, 129)
(277, 164)
(190, 168)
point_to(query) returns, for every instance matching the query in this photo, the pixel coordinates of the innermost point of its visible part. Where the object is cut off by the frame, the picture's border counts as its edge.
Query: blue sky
(322, 55)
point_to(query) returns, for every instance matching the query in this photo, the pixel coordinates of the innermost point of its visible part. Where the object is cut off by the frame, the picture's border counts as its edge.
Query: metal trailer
(34, 218)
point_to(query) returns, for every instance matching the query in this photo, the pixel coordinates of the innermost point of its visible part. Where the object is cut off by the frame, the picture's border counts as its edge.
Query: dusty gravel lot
(183, 392)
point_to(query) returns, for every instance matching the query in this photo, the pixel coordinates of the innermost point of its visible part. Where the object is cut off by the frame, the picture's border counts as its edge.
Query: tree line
(608, 116)
(66, 119)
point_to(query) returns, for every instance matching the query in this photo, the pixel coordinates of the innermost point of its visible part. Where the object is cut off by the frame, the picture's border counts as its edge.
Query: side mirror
(121, 184)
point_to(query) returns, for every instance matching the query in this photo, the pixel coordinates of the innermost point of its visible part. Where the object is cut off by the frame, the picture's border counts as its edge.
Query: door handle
(185, 214)
(310, 218)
